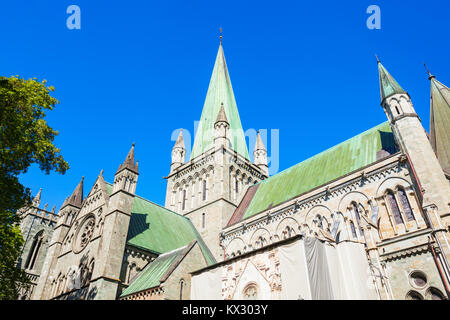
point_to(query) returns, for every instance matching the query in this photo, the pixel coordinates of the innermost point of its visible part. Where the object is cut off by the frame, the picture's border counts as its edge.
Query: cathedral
(367, 219)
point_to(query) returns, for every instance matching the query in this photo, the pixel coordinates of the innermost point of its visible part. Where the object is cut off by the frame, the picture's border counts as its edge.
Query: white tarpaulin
(355, 271)
(319, 276)
(337, 280)
(315, 270)
(207, 285)
(294, 274)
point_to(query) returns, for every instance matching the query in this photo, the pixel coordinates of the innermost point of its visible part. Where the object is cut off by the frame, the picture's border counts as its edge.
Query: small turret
(260, 155)
(37, 199)
(395, 101)
(221, 129)
(178, 152)
(126, 176)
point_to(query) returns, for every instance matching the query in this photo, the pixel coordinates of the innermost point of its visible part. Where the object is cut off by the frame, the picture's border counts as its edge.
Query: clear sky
(138, 70)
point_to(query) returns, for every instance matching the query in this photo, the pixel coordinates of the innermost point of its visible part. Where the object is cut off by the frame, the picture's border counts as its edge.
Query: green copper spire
(219, 91)
(440, 123)
(388, 85)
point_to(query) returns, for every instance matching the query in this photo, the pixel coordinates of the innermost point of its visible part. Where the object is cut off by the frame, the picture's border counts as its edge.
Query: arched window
(34, 250)
(182, 284)
(91, 269)
(394, 208)
(203, 220)
(352, 226)
(414, 295)
(204, 190)
(184, 200)
(131, 272)
(250, 292)
(236, 185)
(435, 294)
(405, 204)
(319, 222)
(358, 217)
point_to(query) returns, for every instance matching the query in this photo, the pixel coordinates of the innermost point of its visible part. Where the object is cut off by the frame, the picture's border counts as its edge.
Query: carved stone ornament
(84, 234)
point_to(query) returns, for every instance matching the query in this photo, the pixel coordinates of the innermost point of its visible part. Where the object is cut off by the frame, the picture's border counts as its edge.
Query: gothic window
(131, 272)
(203, 220)
(204, 190)
(34, 250)
(435, 294)
(184, 200)
(405, 204)
(236, 185)
(251, 292)
(358, 217)
(419, 279)
(352, 226)
(58, 285)
(91, 269)
(414, 295)
(394, 208)
(182, 284)
(319, 222)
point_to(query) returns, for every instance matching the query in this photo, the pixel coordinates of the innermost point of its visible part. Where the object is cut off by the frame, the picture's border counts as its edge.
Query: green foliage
(25, 138)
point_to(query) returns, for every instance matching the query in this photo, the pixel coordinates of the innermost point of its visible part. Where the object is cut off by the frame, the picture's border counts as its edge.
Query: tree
(25, 139)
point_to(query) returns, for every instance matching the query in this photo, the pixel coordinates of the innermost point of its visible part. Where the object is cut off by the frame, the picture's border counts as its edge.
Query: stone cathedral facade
(366, 219)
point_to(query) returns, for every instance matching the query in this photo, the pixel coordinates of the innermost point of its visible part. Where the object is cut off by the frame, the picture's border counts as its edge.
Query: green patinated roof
(388, 85)
(327, 166)
(219, 91)
(440, 123)
(160, 230)
(152, 273)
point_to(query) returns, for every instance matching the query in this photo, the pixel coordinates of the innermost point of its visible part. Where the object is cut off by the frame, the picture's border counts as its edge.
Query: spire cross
(220, 29)
(378, 60)
(430, 76)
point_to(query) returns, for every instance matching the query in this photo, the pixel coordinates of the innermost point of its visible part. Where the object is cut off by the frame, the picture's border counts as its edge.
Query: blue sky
(138, 70)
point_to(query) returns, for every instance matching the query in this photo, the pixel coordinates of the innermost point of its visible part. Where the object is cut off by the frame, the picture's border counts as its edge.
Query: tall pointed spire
(37, 198)
(129, 162)
(219, 91)
(388, 85)
(76, 199)
(440, 122)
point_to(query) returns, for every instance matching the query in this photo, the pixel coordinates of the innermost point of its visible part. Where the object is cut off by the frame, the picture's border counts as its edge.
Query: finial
(430, 76)
(220, 29)
(378, 60)
(101, 173)
(133, 144)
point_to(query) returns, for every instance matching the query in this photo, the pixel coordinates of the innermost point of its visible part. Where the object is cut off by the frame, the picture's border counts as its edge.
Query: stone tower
(37, 226)
(431, 182)
(208, 187)
(67, 213)
(117, 219)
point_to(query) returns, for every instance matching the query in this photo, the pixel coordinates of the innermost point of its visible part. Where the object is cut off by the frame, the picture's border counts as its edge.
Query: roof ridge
(326, 150)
